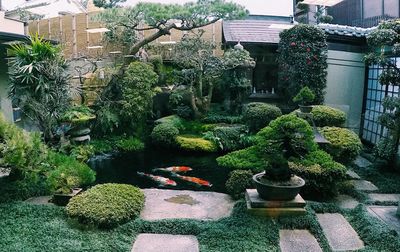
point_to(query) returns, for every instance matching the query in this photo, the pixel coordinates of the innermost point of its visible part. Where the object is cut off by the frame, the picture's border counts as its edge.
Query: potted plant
(304, 98)
(67, 188)
(277, 181)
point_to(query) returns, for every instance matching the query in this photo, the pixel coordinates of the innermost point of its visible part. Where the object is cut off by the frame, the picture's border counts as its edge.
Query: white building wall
(10, 25)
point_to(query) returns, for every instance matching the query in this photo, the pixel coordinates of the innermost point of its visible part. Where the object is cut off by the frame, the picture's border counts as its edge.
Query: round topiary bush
(344, 145)
(164, 134)
(257, 115)
(107, 205)
(195, 144)
(328, 116)
(238, 182)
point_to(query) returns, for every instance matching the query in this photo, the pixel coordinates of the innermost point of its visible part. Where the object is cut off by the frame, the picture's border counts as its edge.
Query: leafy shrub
(217, 118)
(107, 205)
(258, 115)
(130, 144)
(322, 174)
(305, 96)
(193, 143)
(289, 132)
(82, 153)
(164, 134)
(238, 182)
(328, 116)
(385, 149)
(174, 120)
(247, 159)
(78, 114)
(67, 173)
(344, 144)
(229, 138)
(102, 146)
(184, 111)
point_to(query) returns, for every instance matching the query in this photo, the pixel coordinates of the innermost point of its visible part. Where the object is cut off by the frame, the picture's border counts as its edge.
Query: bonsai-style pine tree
(385, 45)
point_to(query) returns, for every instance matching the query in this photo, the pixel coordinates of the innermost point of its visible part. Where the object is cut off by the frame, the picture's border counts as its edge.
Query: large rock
(174, 204)
(298, 241)
(340, 234)
(165, 243)
(364, 185)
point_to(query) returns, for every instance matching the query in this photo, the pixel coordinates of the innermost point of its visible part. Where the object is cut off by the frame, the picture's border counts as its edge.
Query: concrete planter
(63, 199)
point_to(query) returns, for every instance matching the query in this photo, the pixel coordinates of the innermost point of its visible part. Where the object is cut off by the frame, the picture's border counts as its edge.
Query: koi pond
(124, 168)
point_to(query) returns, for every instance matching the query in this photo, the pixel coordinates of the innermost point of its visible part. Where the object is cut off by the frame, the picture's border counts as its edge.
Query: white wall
(11, 26)
(345, 85)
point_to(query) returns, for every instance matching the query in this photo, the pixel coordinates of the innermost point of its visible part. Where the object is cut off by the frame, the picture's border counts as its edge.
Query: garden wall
(345, 85)
(5, 103)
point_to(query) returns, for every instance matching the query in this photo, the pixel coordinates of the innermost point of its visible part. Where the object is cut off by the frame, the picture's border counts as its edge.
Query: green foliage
(107, 205)
(174, 120)
(321, 173)
(344, 144)
(107, 120)
(257, 115)
(302, 61)
(78, 114)
(82, 153)
(304, 97)
(107, 3)
(221, 118)
(130, 144)
(238, 182)
(386, 180)
(289, 134)
(328, 116)
(184, 111)
(195, 144)
(277, 167)
(67, 173)
(164, 134)
(229, 138)
(39, 82)
(247, 159)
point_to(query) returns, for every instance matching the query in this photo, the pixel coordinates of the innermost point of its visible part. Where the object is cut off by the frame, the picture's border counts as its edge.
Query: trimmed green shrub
(289, 130)
(229, 138)
(184, 111)
(322, 174)
(344, 144)
(107, 205)
(174, 120)
(258, 115)
(238, 182)
(193, 143)
(67, 173)
(247, 159)
(82, 153)
(218, 118)
(328, 116)
(164, 134)
(130, 144)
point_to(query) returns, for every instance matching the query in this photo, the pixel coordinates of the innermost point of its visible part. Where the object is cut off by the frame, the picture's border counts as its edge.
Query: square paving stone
(340, 234)
(362, 162)
(352, 174)
(41, 200)
(387, 214)
(346, 202)
(298, 241)
(384, 197)
(364, 185)
(165, 243)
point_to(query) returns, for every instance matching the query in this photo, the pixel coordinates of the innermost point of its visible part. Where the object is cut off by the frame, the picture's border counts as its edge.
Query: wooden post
(49, 27)
(74, 44)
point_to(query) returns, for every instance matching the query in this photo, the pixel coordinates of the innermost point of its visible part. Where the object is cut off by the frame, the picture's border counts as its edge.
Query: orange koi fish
(194, 180)
(160, 180)
(174, 169)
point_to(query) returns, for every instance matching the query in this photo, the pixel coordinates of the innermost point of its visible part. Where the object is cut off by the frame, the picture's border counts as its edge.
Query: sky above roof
(256, 7)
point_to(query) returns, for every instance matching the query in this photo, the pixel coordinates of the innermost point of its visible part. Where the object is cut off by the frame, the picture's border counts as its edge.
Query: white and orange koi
(162, 181)
(194, 180)
(174, 169)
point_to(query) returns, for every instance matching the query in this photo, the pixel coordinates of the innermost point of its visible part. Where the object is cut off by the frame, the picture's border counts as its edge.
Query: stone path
(362, 162)
(364, 185)
(298, 241)
(346, 201)
(352, 174)
(174, 204)
(41, 200)
(165, 243)
(340, 234)
(4, 172)
(383, 197)
(386, 214)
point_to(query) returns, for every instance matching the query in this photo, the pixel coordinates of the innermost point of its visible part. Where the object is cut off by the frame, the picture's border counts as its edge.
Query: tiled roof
(344, 30)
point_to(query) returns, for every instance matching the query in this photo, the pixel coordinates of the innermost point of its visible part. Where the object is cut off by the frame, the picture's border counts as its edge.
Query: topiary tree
(257, 115)
(302, 61)
(385, 44)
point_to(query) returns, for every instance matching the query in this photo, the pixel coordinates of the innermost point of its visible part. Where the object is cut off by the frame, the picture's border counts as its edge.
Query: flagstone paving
(386, 214)
(4, 172)
(362, 162)
(298, 241)
(346, 202)
(364, 185)
(352, 174)
(340, 234)
(384, 197)
(184, 204)
(165, 243)
(41, 200)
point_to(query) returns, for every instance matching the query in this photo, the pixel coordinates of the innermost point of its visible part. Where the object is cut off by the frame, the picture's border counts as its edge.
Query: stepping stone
(352, 174)
(387, 214)
(384, 197)
(4, 172)
(298, 241)
(340, 234)
(183, 204)
(346, 202)
(364, 185)
(362, 162)
(41, 200)
(165, 243)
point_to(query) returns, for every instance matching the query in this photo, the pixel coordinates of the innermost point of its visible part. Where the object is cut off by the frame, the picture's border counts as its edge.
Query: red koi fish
(160, 180)
(174, 169)
(194, 180)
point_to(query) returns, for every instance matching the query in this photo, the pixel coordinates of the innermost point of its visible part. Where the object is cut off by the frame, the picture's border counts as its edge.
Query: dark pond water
(123, 168)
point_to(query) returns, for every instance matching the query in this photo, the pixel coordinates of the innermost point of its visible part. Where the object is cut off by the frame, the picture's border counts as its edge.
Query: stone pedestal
(261, 207)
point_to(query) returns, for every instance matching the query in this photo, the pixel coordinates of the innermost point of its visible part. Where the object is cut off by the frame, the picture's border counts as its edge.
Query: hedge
(196, 144)
(257, 115)
(328, 116)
